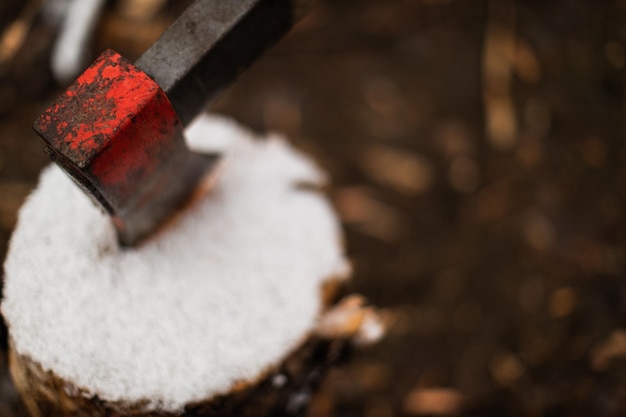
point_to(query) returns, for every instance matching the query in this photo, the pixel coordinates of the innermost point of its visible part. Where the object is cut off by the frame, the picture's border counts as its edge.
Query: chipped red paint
(114, 122)
(116, 133)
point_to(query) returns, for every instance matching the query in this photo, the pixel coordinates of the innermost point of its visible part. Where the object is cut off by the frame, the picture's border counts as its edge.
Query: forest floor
(478, 161)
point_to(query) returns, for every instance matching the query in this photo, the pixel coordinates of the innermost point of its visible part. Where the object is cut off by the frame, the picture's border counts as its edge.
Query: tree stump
(227, 310)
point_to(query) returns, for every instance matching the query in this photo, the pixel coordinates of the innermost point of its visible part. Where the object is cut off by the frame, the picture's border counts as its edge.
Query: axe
(118, 129)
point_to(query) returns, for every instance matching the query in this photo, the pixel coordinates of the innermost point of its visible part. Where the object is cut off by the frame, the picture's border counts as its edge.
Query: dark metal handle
(211, 43)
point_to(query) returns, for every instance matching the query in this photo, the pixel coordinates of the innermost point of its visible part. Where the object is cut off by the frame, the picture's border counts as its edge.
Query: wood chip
(437, 401)
(526, 63)
(506, 369)
(352, 319)
(405, 172)
(614, 347)
(140, 10)
(359, 208)
(563, 302)
(14, 35)
(498, 61)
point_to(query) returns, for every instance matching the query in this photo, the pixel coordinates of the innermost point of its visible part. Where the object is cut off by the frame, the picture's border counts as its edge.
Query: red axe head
(116, 133)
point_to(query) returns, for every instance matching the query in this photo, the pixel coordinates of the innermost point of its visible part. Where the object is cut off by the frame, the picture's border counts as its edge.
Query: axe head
(115, 132)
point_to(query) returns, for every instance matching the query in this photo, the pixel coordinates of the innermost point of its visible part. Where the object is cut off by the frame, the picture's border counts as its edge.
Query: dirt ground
(478, 161)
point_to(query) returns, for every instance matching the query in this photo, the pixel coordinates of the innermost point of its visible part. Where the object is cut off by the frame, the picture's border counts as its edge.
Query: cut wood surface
(224, 300)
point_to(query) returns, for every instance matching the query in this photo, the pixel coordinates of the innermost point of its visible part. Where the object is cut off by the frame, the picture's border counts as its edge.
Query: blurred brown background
(478, 161)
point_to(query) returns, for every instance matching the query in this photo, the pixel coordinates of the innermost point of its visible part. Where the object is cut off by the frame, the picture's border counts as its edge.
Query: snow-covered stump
(228, 310)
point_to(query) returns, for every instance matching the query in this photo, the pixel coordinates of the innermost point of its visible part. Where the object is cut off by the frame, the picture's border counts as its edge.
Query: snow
(221, 295)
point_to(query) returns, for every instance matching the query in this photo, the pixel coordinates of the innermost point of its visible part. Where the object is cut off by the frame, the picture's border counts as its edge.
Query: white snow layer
(223, 294)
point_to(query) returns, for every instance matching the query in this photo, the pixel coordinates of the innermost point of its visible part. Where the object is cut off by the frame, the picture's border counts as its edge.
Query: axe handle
(211, 43)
